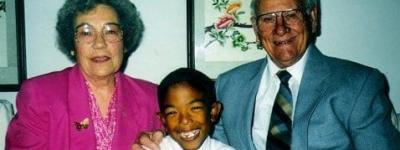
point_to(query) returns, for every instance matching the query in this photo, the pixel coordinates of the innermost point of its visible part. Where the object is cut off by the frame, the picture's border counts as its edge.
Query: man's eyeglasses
(86, 33)
(267, 21)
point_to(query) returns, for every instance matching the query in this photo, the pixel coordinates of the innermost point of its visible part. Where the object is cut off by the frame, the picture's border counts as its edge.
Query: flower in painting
(233, 7)
(225, 21)
(226, 27)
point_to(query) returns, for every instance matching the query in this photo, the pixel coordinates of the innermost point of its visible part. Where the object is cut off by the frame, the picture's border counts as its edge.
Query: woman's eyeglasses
(87, 33)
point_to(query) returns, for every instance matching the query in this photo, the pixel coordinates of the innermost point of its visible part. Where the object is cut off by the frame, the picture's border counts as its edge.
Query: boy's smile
(190, 135)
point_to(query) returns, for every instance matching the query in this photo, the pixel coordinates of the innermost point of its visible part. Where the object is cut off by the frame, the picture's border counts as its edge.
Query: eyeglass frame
(103, 33)
(275, 15)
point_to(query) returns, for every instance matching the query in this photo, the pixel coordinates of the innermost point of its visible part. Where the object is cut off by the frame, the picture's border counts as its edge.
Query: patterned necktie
(279, 135)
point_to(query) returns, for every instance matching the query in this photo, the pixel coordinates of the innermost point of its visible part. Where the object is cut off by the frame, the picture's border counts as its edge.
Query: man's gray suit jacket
(340, 105)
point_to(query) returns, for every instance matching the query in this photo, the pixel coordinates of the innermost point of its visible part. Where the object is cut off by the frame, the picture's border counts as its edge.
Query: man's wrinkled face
(282, 31)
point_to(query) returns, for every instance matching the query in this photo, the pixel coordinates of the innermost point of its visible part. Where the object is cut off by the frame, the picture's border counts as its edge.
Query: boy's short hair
(195, 79)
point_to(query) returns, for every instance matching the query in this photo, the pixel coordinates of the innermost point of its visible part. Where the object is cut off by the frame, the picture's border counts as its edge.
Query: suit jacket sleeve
(370, 118)
(28, 129)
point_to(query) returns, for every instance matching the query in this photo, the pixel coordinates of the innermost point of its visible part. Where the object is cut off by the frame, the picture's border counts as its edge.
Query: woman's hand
(149, 141)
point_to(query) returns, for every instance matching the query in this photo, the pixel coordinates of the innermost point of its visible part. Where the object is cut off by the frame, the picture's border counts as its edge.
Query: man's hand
(149, 141)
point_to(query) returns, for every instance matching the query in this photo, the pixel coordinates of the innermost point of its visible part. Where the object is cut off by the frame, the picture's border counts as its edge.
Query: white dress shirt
(267, 91)
(168, 143)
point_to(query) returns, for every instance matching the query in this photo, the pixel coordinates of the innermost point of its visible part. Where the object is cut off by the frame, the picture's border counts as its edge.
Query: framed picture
(220, 35)
(12, 45)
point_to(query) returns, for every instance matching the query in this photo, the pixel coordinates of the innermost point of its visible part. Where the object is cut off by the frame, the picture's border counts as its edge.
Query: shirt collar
(206, 144)
(296, 70)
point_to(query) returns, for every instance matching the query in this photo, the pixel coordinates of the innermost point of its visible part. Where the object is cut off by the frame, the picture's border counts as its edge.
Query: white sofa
(6, 113)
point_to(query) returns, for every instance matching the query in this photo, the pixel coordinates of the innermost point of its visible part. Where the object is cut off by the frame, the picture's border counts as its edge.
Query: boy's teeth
(190, 134)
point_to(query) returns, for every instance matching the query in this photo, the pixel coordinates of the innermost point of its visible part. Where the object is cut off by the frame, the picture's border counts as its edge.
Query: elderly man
(297, 97)
(329, 103)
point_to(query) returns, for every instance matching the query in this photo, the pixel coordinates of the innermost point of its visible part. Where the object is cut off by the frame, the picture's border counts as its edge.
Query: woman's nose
(99, 41)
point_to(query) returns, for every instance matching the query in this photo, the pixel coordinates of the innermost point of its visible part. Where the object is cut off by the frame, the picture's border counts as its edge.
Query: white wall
(365, 31)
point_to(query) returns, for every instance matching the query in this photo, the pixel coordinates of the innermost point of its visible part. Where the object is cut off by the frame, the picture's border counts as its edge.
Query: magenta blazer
(48, 106)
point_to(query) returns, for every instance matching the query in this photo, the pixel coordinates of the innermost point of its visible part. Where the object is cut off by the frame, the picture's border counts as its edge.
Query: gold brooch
(84, 124)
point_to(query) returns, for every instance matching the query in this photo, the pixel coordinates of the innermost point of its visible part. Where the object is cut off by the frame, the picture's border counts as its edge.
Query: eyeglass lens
(268, 20)
(87, 33)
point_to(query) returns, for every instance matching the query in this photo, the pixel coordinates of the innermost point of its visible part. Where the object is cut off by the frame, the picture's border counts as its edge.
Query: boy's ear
(215, 111)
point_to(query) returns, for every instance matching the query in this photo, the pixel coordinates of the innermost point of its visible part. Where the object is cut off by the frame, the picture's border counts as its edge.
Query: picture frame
(220, 35)
(12, 45)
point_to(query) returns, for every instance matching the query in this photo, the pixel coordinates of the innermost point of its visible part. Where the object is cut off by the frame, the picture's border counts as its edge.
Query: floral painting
(226, 27)
(12, 66)
(224, 36)
(3, 33)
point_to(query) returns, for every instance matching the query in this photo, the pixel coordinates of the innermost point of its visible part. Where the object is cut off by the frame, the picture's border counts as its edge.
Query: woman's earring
(72, 53)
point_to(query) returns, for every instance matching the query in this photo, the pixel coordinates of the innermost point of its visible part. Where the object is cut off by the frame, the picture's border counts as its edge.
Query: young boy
(188, 111)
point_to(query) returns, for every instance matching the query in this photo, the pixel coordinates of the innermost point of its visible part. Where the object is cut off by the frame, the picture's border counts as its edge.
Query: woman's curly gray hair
(128, 16)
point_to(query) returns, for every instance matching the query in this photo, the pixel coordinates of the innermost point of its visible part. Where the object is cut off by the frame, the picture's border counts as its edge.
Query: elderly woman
(91, 105)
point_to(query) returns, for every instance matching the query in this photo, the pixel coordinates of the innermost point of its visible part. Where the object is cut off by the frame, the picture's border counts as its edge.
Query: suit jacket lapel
(251, 83)
(78, 109)
(310, 93)
(126, 110)
(131, 112)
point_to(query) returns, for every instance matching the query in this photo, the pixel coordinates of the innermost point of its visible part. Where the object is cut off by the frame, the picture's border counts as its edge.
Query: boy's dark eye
(197, 108)
(170, 113)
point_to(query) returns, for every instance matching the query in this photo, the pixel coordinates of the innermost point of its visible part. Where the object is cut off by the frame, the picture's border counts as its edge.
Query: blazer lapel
(78, 109)
(251, 83)
(127, 113)
(132, 112)
(311, 90)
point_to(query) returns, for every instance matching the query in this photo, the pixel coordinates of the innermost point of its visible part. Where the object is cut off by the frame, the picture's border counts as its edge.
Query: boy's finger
(147, 142)
(157, 136)
(137, 147)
